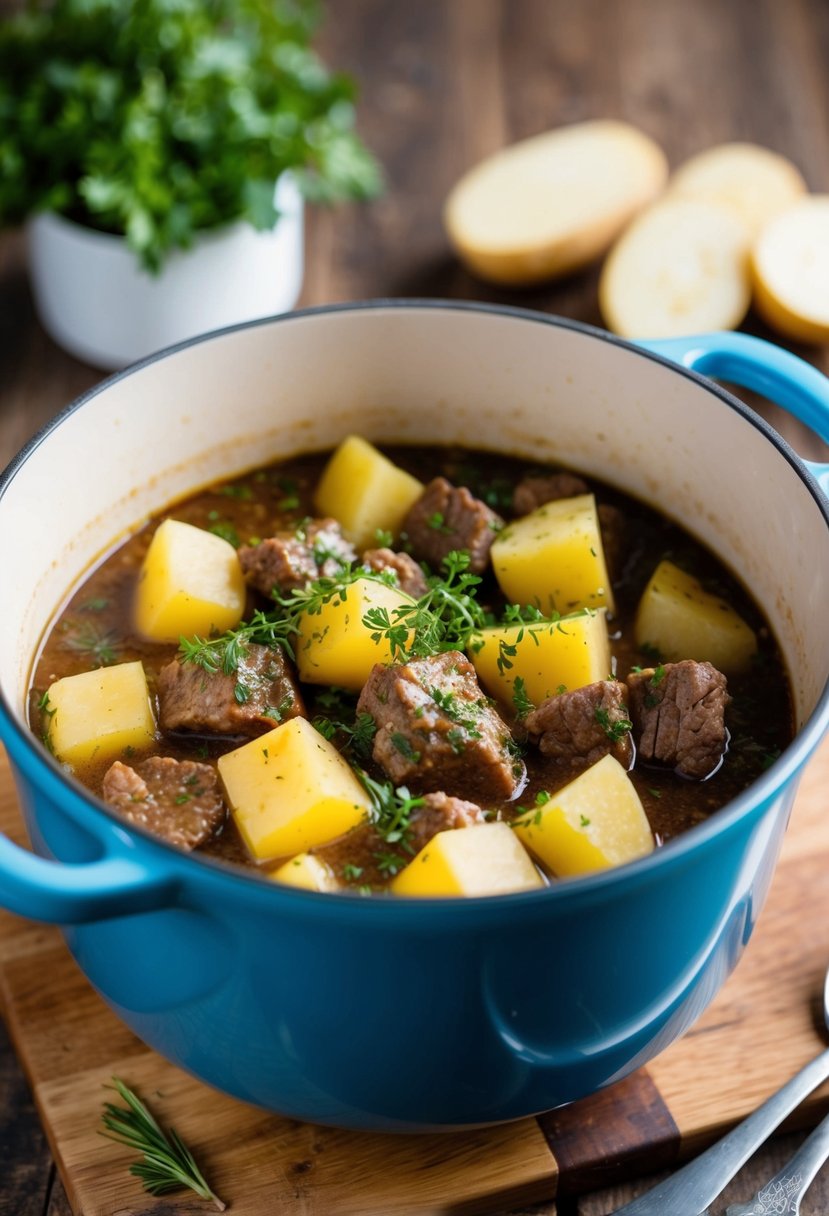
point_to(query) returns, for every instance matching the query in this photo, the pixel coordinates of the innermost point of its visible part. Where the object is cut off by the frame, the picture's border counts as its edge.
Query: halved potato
(549, 204)
(790, 271)
(756, 182)
(681, 268)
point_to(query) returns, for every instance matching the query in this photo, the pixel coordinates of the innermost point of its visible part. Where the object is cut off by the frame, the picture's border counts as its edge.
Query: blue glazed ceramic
(400, 1014)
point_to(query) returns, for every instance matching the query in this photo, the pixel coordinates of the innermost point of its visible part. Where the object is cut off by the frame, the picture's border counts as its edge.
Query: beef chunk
(290, 561)
(437, 731)
(440, 813)
(678, 716)
(445, 518)
(534, 490)
(581, 726)
(178, 800)
(363, 856)
(410, 577)
(250, 701)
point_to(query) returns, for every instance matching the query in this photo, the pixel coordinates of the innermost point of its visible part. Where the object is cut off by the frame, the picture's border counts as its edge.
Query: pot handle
(785, 379)
(67, 894)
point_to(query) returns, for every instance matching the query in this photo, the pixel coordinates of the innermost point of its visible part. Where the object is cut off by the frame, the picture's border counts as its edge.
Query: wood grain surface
(443, 83)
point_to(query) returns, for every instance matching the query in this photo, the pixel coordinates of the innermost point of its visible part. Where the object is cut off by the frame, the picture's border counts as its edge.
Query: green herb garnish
(89, 639)
(523, 704)
(168, 1165)
(616, 728)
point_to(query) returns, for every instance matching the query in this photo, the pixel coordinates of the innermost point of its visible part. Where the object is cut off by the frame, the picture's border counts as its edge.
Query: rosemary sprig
(88, 638)
(168, 1165)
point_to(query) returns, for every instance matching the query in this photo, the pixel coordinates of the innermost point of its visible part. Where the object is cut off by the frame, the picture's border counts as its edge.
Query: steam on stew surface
(422, 672)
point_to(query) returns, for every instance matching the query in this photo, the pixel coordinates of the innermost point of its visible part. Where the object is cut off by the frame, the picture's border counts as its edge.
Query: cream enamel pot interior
(397, 1013)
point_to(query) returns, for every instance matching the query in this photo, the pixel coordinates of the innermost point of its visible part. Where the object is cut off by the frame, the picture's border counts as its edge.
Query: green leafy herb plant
(159, 119)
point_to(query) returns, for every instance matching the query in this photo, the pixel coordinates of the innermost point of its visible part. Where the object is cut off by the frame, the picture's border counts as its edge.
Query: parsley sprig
(159, 120)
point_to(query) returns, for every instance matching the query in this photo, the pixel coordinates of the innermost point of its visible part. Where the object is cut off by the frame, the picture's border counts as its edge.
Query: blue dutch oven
(393, 1013)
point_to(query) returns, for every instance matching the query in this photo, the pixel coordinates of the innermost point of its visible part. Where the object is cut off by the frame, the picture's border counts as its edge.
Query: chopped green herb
(242, 692)
(97, 604)
(403, 745)
(241, 492)
(542, 797)
(523, 704)
(290, 503)
(227, 532)
(615, 728)
(437, 521)
(383, 539)
(88, 638)
(585, 822)
(351, 872)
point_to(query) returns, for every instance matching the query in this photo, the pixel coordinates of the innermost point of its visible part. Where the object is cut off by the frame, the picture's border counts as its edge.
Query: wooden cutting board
(764, 1025)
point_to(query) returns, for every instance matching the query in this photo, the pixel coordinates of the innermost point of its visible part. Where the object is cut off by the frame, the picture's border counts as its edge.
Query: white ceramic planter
(96, 301)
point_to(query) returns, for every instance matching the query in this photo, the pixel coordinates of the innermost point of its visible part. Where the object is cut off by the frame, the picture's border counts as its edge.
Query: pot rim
(583, 888)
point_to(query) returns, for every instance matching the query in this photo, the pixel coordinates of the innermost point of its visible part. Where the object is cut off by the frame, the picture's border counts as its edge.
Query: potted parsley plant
(159, 152)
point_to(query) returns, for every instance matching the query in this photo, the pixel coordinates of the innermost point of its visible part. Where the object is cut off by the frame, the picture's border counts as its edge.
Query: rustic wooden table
(444, 82)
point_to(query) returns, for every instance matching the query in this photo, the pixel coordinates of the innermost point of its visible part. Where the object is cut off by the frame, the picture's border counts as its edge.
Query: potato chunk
(549, 656)
(365, 491)
(305, 871)
(334, 646)
(290, 790)
(482, 860)
(190, 582)
(595, 822)
(554, 558)
(97, 715)
(682, 621)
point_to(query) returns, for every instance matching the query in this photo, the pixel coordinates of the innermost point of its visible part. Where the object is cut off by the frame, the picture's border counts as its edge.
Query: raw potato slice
(190, 583)
(595, 822)
(682, 621)
(547, 205)
(681, 268)
(100, 715)
(289, 790)
(365, 492)
(756, 182)
(482, 860)
(305, 871)
(790, 269)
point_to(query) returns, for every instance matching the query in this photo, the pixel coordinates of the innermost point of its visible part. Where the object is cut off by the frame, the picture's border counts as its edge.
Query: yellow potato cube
(97, 715)
(365, 491)
(289, 790)
(595, 822)
(305, 871)
(486, 859)
(190, 582)
(682, 621)
(549, 656)
(334, 646)
(553, 558)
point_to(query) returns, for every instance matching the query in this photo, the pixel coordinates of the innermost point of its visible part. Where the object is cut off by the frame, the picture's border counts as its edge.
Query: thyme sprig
(167, 1165)
(445, 618)
(278, 626)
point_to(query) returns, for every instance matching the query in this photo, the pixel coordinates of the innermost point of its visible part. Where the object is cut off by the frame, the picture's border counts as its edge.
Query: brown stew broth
(95, 628)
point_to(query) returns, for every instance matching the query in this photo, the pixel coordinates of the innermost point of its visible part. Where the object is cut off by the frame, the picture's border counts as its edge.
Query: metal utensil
(782, 1194)
(690, 1190)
